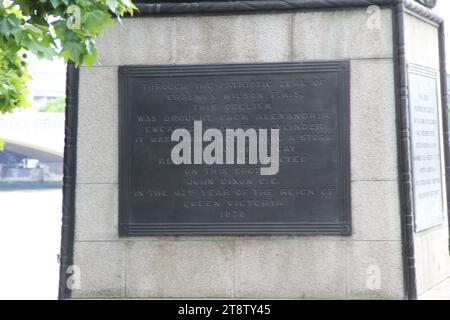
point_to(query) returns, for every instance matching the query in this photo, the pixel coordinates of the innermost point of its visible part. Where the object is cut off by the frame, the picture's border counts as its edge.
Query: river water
(30, 222)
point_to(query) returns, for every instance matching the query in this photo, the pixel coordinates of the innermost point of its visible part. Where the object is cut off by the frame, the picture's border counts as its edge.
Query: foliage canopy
(49, 28)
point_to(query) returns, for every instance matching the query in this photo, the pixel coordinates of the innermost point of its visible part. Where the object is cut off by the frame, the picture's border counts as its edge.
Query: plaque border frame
(342, 228)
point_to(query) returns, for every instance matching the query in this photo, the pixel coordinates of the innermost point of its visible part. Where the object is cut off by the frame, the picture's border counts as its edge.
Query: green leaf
(55, 3)
(2, 144)
(34, 30)
(38, 21)
(72, 49)
(40, 48)
(24, 6)
(90, 58)
(9, 25)
(60, 29)
(93, 21)
(73, 21)
(112, 5)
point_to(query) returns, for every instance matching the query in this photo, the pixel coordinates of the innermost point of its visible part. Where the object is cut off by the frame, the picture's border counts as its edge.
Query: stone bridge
(39, 135)
(34, 146)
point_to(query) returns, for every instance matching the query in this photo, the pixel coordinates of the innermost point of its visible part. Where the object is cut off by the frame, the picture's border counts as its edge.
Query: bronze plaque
(235, 149)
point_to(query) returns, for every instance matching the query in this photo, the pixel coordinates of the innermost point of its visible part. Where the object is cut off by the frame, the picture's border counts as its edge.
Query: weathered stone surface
(422, 42)
(97, 212)
(232, 39)
(292, 268)
(102, 269)
(205, 39)
(98, 133)
(375, 210)
(375, 270)
(172, 269)
(344, 34)
(372, 128)
(123, 44)
(432, 258)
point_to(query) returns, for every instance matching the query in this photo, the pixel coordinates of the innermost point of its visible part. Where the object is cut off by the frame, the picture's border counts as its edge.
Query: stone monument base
(382, 256)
